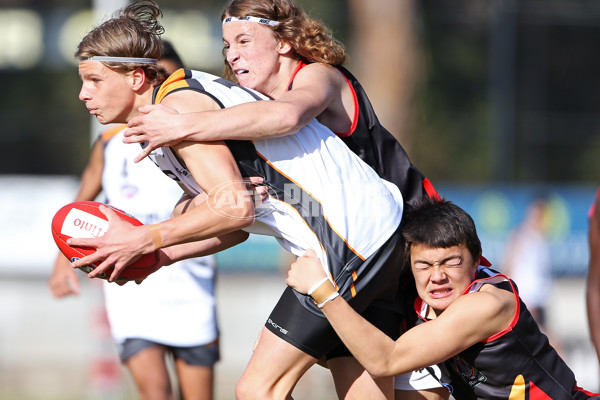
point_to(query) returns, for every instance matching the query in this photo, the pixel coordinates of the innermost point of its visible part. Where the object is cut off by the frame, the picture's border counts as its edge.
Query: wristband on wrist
(156, 236)
(327, 300)
(323, 291)
(316, 286)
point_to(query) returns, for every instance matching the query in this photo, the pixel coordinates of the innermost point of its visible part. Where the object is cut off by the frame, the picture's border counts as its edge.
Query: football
(83, 219)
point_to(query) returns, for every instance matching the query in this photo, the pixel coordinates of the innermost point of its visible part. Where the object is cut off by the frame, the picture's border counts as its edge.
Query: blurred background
(496, 101)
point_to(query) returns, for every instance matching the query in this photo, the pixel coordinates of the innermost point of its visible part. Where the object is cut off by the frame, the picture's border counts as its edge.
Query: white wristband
(327, 300)
(316, 286)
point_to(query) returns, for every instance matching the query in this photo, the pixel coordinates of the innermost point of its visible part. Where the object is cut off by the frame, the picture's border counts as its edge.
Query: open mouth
(440, 292)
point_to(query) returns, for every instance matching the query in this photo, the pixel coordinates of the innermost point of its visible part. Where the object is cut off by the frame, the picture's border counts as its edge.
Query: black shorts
(204, 355)
(299, 322)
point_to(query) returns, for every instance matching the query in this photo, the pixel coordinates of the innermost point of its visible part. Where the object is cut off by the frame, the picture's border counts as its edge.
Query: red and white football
(83, 219)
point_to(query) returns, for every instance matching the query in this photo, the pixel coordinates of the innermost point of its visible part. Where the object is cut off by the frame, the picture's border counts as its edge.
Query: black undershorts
(299, 322)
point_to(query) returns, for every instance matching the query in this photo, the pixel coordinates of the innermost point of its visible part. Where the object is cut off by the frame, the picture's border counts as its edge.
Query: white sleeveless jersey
(176, 304)
(323, 197)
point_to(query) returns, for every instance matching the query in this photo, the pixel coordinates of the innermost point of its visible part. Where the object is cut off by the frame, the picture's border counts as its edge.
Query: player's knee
(248, 389)
(243, 390)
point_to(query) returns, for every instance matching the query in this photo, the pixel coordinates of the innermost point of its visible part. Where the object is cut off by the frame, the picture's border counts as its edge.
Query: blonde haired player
(173, 314)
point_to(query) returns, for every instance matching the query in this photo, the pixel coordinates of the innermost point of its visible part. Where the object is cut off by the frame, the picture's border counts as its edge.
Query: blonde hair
(133, 31)
(311, 40)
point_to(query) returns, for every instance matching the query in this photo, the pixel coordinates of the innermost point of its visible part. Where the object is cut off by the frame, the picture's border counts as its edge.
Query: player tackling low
(473, 322)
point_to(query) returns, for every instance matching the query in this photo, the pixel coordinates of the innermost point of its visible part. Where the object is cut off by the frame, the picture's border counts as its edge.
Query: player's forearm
(208, 220)
(371, 347)
(254, 120)
(201, 248)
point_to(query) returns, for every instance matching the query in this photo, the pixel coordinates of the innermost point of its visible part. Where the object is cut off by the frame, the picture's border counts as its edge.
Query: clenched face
(253, 53)
(441, 274)
(107, 94)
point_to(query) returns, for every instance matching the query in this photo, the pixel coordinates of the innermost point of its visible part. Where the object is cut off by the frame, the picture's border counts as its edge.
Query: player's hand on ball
(121, 245)
(305, 272)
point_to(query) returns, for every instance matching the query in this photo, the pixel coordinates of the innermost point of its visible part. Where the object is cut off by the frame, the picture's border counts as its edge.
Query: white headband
(262, 21)
(122, 59)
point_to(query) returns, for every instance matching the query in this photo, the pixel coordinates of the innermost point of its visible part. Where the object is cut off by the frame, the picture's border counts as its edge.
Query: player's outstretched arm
(593, 278)
(315, 88)
(432, 342)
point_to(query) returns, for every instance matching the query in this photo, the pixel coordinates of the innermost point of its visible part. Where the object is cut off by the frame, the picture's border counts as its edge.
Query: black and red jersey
(517, 363)
(378, 147)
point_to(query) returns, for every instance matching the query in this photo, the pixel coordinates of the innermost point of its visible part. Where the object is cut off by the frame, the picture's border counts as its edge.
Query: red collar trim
(301, 64)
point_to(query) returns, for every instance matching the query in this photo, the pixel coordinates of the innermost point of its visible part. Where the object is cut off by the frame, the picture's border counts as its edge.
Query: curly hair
(311, 40)
(133, 31)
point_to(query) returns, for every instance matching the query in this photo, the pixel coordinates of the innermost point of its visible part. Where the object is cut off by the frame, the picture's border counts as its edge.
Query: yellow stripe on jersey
(517, 392)
(173, 82)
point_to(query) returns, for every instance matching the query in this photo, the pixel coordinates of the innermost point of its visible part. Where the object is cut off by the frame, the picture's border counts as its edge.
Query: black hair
(170, 54)
(440, 224)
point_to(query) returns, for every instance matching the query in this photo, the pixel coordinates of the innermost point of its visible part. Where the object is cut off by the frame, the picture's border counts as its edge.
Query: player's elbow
(379, 370)
(247, 219)
(242, 215)
(235, 207)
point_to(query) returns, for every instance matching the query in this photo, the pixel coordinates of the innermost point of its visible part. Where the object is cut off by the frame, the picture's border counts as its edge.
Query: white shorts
(420, 379)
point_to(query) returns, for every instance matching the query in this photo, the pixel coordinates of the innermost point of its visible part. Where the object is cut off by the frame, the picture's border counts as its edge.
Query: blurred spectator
(527, 259)
(593, 278)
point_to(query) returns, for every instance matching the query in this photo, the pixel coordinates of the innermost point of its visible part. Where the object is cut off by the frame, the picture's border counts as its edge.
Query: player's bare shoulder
(496, 305)
(320, 74)
(187, 101)
(337, 96)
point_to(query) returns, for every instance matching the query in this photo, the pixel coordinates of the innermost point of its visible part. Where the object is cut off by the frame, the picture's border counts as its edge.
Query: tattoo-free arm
(316, 88)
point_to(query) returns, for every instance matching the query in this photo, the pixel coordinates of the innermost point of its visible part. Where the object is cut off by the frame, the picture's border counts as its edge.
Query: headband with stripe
(121, 59)
(262, 21)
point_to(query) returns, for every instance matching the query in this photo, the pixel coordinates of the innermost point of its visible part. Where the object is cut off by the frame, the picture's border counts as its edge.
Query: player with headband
(273, 47)
(314, 204)
(172, 316)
